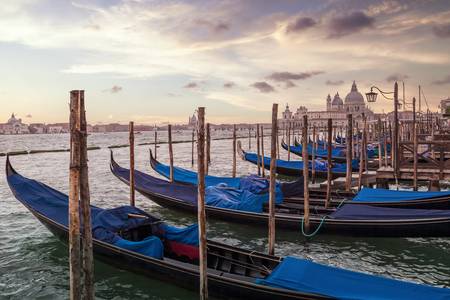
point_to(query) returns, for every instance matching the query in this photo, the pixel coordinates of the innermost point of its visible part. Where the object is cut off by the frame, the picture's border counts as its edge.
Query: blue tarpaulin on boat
(229, 198)
(385, 195)
(366, 212)
(216, 196)
(185, 235)
(105, 222)
(252, 183)
(187, 176)
(297, 165)
(306, 276)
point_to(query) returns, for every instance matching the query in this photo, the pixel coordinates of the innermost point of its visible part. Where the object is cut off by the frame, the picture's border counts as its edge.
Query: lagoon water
(34, 264)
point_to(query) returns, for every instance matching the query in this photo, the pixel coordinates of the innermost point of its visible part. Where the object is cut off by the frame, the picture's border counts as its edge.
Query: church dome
(337, 100)
(354, 97)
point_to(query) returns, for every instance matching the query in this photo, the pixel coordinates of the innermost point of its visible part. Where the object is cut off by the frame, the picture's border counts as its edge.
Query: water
(34, 264)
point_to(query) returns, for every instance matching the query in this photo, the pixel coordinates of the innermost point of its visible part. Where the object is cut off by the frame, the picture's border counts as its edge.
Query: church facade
(336, 109)
(14, 126)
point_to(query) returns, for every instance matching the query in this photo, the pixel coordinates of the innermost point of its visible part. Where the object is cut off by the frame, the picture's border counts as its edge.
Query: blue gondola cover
(307, 276)
(385, 195)
(366, 212)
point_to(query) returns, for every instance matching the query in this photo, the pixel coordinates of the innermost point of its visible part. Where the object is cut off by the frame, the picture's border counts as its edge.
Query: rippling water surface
(34, 264)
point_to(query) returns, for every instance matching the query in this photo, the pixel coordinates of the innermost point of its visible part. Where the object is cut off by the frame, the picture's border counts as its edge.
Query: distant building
(58, 128)
(37, 128)
(192, 120)
(445, 106)
(14, 126)
(336, 109)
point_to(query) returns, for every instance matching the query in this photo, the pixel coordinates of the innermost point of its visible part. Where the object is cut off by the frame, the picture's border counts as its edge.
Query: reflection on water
(33, 264)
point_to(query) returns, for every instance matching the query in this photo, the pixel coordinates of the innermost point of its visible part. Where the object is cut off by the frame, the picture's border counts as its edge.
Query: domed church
(336, 109)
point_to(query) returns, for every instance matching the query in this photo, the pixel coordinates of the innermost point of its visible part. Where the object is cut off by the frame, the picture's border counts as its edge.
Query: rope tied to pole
(315, 231)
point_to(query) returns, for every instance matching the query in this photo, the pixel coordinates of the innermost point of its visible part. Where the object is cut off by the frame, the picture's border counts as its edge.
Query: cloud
(216, 27)
(300, 24)
(334, 82)
(288, 77)
(114, 90)
(443, 81)
(229, 84)
(263, 87)
(349, 24)
(191, 85)
(442, 31)
(396, 77)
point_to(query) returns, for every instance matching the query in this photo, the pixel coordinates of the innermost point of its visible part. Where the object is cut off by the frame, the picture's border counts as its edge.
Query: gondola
(293, 191)
(337, 154)
(293, 168)
(349, 219)
(131, 239)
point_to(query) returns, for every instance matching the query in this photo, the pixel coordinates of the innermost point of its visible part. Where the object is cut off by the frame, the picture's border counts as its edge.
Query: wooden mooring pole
(289, 141)
(258, 151)
(305, 172)
(131, 139)
(249, 136)
(362, 154)
(263, 167)
(74, 204)
(156, 142)
(329, 164)
(201, 215)
(85, 203)
(349, 142)
(273, 153)
(169, 137)
(415, 145)
(208, 147)
(233, 174)
(313, 156)
(192, 147)
(79, 204)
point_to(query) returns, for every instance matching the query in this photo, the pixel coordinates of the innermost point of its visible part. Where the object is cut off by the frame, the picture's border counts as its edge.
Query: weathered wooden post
(201, 215)
(272, 196)
(85, 202)
(415, 145)
(208, 147)
(313, 156)
(258, 151)
(362, 153)
(305, 172)
(349, 141)
(169, 134)
(263, 167)
(329, 164)
(396, 137)
(234, 151)
(380, 146)
(249, 136)
(192, 147)
(278, 144)
(156, 142)
(131, 140)
(289, 141)
(74, 204)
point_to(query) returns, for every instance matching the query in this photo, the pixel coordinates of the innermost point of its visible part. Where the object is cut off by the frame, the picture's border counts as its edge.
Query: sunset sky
(156, 61)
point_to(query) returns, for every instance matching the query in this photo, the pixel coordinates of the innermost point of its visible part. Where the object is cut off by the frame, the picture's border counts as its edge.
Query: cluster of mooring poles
(404, 137)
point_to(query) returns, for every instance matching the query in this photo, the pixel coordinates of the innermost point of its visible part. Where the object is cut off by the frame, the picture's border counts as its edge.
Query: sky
(156, 61)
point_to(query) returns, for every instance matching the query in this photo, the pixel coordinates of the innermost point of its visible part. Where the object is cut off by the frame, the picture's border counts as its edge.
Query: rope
(315, 231)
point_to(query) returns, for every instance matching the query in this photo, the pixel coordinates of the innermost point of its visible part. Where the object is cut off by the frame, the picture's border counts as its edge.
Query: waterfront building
(336, 109)
(445, 106)
(14, 126)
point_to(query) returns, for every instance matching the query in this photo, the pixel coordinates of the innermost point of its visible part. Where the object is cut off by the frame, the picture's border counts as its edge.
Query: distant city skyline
(155, 62)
